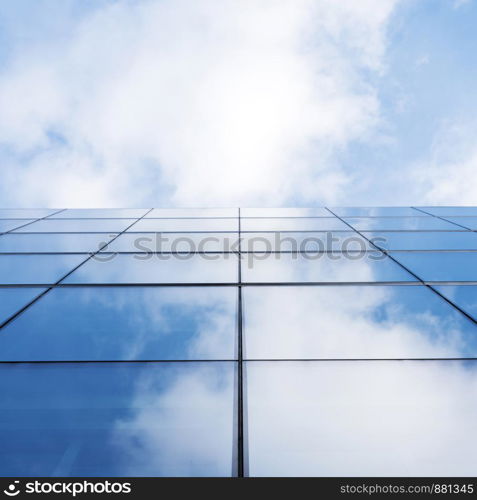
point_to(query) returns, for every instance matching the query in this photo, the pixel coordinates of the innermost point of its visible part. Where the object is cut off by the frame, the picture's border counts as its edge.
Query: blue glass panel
(126, 323)
(156, 268)
(294, 224)
(375, 211)
(463, 296)
(13, 299)
(444, 211)
(175, 242)
(441, 266)
(183, 224)
(321, 267)
(56, 242)
(8, 225)
(400, 223)
(116, 419)
(349, 322)
(415, 240)
(193, 212)
(468, 222)
(125, 213)
(36, 269)
(77, 226)
(285, 212)
(355, 419)
(25, 213)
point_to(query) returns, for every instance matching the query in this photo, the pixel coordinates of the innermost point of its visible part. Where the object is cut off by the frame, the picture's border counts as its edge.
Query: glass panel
(442, 240)
(176, 242)
(36, 269)
(116, 419)
(157, 268)
(67, 242)
(13, 299)
(179, 225)
(284, 212)
(463, 296)
(349, 418)
(26, 213)
(340, 322)
(127, 323)
(443, 211)
(375, 211)
(193, 212)
(297, 224)
(304, 242)
(468, 222)
(441, 266)
(124, 213)
(77, 226)
(8, 225)
(321, 267)
(400, 223)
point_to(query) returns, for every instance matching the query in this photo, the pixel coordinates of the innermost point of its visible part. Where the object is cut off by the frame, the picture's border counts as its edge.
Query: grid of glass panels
(238, 342)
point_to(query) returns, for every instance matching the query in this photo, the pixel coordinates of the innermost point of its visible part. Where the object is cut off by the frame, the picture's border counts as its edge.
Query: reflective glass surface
(400, 223)
(72, 213)
(324, 267)
(285, 212)
(36, 269)
(375, 211)
(8, 225)
(415, 240)
(441, 266)
(175, 242)
(468, 222)
(294, 224)
(126, 323)
(358, 418)
(57, 242)
(343, 241)
(444, 211)
(349, 322)
(463, 296)
(77, 226)
(13, 299)
(193, 212)
(183, 224)
(116, 419)
(156, 268)
(25, 213)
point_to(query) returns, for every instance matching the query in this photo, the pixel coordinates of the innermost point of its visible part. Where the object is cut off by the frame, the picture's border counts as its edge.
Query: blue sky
(276, 102)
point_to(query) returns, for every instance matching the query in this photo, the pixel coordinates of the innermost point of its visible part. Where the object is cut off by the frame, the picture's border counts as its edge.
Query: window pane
(127, 323)
(178, 225)
(284, 212)
(362, 418)
(441, 266)
(375, 211)
(400, 223)
(463, 296)
(273, 268)
(13, 299)
(77, 226)
(25, 213)
(468, 222)
(193, 212)
(116, 419)
(36, 269)
(67, 242)
(304, 242)
(343, 322)
(294, 224)
(8, 225)
(125, 213)
(156, 268)
(443, 211)
(442, 240)
(176, 242)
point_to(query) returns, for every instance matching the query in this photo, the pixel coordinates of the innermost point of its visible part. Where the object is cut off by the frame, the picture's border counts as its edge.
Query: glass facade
(335, 341)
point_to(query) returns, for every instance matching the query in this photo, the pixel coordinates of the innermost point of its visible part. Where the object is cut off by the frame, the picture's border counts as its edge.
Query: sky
(224, 103)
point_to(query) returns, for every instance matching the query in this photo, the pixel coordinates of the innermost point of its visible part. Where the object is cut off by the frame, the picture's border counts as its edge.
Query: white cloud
(189, 102)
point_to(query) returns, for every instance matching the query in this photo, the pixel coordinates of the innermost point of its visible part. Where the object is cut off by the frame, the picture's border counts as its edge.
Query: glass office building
(238, 342)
